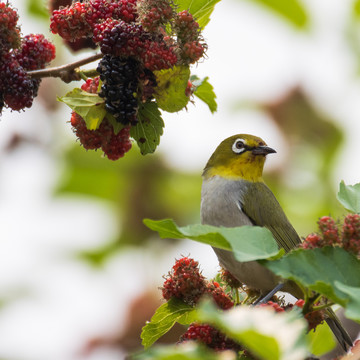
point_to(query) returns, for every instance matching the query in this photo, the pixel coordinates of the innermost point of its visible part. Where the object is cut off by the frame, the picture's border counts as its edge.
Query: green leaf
(349, 197)
(328, 271)
(117, 126)
(205, 92)
(185, 351)
(352, 310)
(91, 107)
(148, 130)
(200, 9)
(170, 90)
(247, 242)
(254, 327)
(165, 318)
(291, 10)
(321, 340)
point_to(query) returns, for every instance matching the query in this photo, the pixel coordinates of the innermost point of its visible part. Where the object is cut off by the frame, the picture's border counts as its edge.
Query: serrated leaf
(328, 271)
(200, 9)
(148, 130)
(291, 10)
(165, 318)
(349, 197)
(90, 107)
(205, 92)
(189, 350)
(321, 341)
(247, 242)
(254, 328)
(170, 90)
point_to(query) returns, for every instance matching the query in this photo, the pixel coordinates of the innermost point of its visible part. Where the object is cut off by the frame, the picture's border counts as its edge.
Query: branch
(67, 72)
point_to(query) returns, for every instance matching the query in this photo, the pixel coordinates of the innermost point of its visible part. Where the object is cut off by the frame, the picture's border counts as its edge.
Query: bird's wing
(262, 208)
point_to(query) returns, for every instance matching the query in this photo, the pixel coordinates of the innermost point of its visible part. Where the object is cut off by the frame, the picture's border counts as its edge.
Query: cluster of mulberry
(313, 318)
(185, 282)
(210, 337)
(346, 236)
(17, 56)
(113, 145)
(137, 38)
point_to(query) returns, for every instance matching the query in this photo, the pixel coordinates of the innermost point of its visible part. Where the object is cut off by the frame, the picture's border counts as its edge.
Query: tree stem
(67, 72)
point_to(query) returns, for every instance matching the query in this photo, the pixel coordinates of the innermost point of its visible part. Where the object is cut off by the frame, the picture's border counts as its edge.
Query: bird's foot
(267, 297)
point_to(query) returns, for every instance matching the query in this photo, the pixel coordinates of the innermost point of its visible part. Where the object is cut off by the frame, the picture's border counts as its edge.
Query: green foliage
(328, 271)
(349, 197)
(356, 8)
(165, 318)
(321, 340)
(38, 9)
(291, 10)
(186, 351)
(254, 328)
(170, 90)
(200, 9)
(136, 187)
(91, 107)
(204, 91)
(247, 242)
(148, 130)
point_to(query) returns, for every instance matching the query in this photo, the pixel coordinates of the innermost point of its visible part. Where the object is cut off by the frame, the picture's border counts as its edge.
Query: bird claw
(267, 297)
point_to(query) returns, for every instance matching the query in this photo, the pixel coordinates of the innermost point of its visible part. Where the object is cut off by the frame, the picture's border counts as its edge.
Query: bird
(234, 194)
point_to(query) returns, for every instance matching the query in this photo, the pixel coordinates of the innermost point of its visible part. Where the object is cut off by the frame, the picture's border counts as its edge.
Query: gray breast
(220, 202)
(220, 206)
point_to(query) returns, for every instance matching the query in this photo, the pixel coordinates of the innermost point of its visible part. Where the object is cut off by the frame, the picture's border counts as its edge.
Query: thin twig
(66, 72)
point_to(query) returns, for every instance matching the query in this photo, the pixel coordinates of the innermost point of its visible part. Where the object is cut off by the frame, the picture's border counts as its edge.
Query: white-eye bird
(234, 194)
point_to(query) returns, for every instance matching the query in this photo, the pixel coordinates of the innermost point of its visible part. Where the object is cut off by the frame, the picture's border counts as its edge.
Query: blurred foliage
(38, 9)
(291, 10)
(353, 31)
(304, 186)
(136, 186)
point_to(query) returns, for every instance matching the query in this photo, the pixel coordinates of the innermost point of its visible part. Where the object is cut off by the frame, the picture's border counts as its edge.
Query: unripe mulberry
(113, 145)
(155, 14)
(192, 52)
(185, 282)
(222, 300)
(70, 22)
(9, 30)
(273, 305)
(351, 233)
(312, 241)
(210, 337)
(187, 29)
(229, 278)
(35, 52)
(329, 230)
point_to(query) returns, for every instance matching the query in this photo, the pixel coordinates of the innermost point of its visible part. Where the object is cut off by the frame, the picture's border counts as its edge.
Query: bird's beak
(263, 150)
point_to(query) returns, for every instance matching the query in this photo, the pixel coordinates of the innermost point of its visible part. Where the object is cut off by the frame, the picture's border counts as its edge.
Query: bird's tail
(340, 333)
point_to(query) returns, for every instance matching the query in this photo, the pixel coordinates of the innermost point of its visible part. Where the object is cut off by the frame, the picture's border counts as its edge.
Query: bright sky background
(60, 303)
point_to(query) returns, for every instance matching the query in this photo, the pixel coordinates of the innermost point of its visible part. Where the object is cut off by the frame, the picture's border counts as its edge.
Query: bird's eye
(238, 146)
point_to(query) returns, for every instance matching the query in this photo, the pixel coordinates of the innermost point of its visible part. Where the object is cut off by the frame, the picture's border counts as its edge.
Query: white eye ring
(238, 146)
